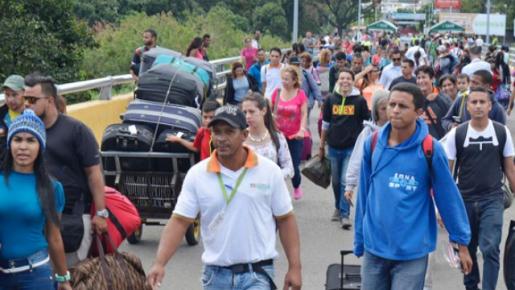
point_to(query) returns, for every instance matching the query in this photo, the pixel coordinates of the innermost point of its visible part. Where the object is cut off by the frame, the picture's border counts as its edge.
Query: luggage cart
(152, 181)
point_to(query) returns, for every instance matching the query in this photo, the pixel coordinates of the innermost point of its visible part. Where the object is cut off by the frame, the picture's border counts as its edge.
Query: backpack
(427, 147)
(500, 134)
(461, 134)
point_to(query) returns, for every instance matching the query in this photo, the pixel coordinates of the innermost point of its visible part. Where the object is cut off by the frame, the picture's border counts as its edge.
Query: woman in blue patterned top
(30, 206)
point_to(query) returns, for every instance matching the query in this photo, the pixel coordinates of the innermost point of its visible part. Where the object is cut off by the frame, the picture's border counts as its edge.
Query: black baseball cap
(232, 115)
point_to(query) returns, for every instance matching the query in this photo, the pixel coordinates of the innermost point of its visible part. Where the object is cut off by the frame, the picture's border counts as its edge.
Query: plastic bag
(507, 195)
(318, 171)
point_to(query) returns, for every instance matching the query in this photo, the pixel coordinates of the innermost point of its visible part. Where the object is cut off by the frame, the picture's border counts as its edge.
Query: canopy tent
(382, 25)
(446, 26)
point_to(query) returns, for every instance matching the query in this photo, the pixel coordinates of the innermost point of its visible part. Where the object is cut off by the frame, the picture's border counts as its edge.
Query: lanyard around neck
(228, 198)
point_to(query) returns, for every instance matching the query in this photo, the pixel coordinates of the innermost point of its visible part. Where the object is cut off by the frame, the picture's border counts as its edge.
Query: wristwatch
(103, 213)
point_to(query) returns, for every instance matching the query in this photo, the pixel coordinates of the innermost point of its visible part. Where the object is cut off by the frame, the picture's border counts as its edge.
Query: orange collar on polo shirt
(213, 165)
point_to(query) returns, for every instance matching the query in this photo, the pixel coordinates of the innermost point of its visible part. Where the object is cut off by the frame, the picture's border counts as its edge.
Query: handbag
(72, 227)
(318, 171)
(116, 271)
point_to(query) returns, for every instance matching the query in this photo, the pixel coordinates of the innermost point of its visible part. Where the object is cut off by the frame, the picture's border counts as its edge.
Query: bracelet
(63, 278)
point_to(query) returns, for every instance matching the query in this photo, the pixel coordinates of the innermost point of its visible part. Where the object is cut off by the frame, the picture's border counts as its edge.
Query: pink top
(199, 54)
(249, 54)
(288, 115)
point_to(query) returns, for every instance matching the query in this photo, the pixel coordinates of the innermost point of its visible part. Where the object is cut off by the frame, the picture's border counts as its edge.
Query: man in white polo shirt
(242, 199)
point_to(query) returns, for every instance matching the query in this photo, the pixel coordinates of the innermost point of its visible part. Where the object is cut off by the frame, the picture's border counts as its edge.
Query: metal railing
(106, 84)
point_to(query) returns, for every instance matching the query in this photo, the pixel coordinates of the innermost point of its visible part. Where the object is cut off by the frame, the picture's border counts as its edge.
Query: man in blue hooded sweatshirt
(395, 227)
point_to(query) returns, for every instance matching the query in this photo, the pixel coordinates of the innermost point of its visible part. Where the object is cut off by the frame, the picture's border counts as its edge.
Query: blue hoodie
(395, 214)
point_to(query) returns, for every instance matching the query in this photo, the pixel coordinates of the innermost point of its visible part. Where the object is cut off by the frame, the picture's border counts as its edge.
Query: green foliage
(116, 44)
(340, 14)
(94, 11)
(41, 35)
(271, 19)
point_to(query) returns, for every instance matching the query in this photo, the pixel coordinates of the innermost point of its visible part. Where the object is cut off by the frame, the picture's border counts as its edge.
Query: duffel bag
(123, 221)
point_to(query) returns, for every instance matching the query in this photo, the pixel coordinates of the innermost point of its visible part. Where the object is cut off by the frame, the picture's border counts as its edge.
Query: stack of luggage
(168, 97)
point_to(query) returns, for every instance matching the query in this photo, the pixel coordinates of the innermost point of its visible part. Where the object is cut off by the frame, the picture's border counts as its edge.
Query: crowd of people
(438, 101)
(414, 134)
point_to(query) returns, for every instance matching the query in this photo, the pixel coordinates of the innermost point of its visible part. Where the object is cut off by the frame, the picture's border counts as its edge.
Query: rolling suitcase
(184, 118)
(343, 277)
(126, 137)
(509, 258)
(148, 58)
(166, 83)
(161, 145)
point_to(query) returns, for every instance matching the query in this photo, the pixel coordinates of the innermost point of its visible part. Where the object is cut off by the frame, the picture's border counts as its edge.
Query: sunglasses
(396, 59)
(32, 100)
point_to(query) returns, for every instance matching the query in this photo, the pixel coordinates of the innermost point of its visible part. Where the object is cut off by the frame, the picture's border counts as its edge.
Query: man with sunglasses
(393, 70)
(73, 158)
(13, 88)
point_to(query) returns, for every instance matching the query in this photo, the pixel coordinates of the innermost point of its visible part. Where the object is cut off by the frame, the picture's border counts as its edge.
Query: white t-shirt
(272, 77)
(473, 134)
(475, 65)
(412, 50)
(247, 231)
(390, 72)
(255, 44)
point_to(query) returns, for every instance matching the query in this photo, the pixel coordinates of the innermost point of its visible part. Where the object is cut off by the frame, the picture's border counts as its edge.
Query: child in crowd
(462, 82)
(202, 142)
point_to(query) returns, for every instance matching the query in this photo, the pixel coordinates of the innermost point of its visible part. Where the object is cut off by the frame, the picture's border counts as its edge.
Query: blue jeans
(295, 146)
(39, 278)
(219, 278)
(485, 218)
(339, 163)
(383, 274)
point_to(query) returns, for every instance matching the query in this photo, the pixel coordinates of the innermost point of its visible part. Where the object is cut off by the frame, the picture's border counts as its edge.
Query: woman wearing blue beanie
(30, 206)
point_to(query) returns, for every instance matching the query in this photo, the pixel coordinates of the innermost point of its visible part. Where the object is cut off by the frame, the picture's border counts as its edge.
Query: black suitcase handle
(343, 253)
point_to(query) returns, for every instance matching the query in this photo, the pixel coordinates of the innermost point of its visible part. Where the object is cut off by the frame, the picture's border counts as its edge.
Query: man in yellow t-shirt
(14, 104)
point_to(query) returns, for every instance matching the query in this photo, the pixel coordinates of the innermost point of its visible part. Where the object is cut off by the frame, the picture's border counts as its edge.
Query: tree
(271, 19)
(340, 14)
(41, 35)
(94, 11)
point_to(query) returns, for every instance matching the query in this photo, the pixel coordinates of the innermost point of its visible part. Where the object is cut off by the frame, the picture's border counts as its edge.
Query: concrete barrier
(97, 115)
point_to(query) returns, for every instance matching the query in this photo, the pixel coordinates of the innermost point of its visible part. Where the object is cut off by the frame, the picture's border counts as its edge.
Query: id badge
(219, 218)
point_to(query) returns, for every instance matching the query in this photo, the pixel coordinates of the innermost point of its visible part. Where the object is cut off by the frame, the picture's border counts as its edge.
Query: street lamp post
(295, 21)
(488, 4)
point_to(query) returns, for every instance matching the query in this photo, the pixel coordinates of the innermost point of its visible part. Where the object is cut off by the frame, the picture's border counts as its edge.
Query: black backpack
(461, 134)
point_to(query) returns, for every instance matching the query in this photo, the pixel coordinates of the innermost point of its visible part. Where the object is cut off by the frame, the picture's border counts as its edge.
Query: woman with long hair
(195, 48)
(367, 82)
(290, 109)
(30, 206)
(264, 138)
(238, 85)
